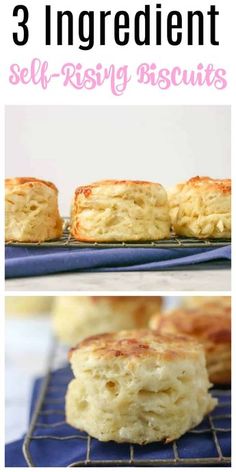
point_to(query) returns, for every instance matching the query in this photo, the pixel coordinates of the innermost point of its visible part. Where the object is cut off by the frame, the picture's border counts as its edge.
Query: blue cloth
(25, 262)
(50, 452)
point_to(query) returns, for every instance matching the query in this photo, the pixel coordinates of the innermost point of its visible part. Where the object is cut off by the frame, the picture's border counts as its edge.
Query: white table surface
(189, 280)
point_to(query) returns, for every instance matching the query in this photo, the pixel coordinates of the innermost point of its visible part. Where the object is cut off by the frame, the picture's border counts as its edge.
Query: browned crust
(208, 322)
(221, 185)
(84, 239)
(222, 377)
(139, 343)
(29, 181)
(86, 190)
(209, 325)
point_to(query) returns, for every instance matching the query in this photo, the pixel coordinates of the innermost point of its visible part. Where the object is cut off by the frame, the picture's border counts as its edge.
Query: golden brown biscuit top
(28, 181)
(137, 344)
(198, 183)
(87, 189)
(209, 322)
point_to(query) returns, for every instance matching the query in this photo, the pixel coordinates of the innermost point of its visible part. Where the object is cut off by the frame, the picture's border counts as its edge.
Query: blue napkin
(25, 262)
(49, 452)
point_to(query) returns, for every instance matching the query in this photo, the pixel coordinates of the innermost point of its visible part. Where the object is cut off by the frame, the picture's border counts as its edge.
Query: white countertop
(195, 280)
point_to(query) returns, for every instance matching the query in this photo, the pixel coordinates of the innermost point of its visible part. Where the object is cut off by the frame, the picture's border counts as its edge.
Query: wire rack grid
(67, 241)
(50, 402)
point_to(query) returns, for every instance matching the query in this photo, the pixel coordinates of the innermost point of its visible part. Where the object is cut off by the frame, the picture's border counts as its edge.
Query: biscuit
(210, 325)
(201, 208)
(27, 306)
(192, 302)
(137, 387)
(75, 318)
(31, 210)
(113, 210)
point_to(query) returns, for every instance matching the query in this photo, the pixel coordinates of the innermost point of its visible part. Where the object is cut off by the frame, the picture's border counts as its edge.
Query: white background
(78, 145)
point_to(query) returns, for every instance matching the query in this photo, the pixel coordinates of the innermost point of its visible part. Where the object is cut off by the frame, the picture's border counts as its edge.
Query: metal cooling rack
(67, 240)
(46, 407)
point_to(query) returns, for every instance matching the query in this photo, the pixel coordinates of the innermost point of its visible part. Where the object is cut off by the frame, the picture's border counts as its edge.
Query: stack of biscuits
(137, 386)
(149, 369)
